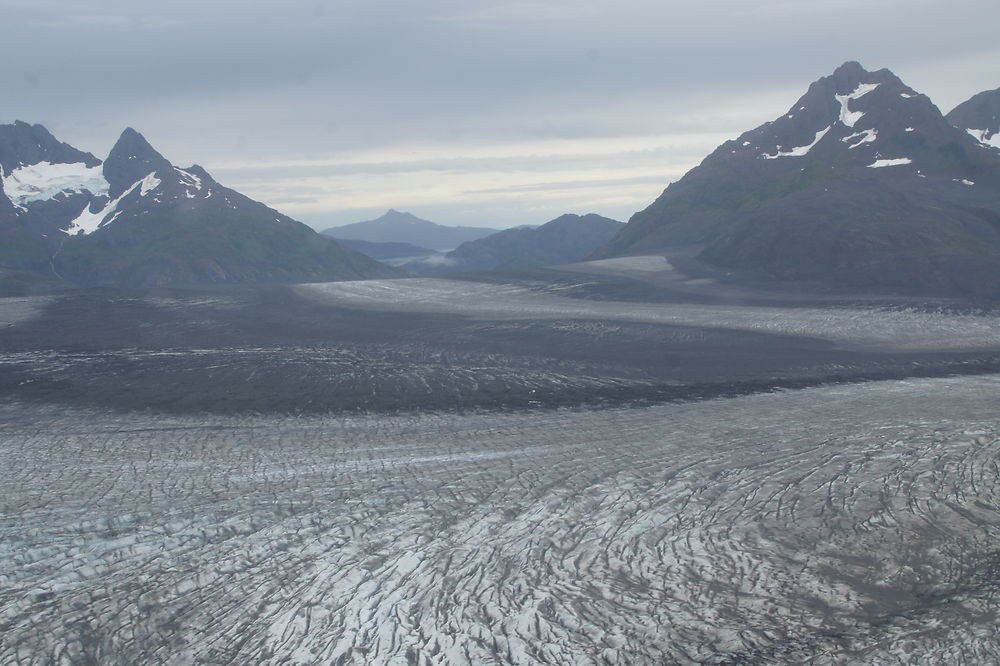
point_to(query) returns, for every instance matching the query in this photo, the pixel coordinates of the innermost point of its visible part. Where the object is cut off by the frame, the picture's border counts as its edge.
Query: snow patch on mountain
(800, 150)
(847, 116)
(864, 136)
(985, 137)
(189, 178)
(42, 181)
(147, 184)
(899, 161)
(87, 222)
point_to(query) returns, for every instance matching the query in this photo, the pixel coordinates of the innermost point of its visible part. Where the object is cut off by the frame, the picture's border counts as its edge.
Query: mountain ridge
(862, 183)
(136, 220)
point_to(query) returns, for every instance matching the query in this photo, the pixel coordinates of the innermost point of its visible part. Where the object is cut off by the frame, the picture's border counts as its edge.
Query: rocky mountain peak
(131, 159)
(22, 145)
(861, 183)
(979, 116)
(855, 119)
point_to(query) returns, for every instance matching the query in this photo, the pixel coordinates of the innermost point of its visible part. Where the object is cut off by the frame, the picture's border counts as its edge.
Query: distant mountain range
(136, 220)
(566, 239)
(862, 184)
(398, 227)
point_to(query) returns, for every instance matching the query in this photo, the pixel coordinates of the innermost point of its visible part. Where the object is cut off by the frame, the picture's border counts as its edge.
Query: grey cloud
(576, 185)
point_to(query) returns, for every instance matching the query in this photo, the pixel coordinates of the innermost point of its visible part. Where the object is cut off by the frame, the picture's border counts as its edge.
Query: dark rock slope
(136, 220)
(862, 184)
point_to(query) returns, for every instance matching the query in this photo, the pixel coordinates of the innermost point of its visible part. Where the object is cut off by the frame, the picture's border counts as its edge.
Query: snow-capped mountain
(862, 183)
(980, 117)
(137, 220)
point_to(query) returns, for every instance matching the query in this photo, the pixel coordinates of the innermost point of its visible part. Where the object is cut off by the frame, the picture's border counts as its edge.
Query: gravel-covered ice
(857, 327)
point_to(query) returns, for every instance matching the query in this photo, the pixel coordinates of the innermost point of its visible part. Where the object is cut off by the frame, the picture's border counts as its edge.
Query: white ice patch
(899, 161)
(864, 136)
(847, 116)
(800, 150)
(87, 222)
(985, 137)
(149, 183)
(44, 180)
(189, 178)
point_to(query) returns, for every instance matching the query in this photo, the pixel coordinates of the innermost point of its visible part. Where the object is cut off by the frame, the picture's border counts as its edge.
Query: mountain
(397, 227)
(136, 220)
(43, 183)
(566, 239)
(862, 184)
(980, 117)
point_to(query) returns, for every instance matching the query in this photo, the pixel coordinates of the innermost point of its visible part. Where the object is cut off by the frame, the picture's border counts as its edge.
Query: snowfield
(42, 181)
(840, 524)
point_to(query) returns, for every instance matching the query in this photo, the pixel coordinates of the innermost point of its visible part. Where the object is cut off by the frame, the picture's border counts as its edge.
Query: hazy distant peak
(401, 227)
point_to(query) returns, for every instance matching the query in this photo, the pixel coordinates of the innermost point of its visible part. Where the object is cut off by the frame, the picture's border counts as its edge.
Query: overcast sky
(480, 113)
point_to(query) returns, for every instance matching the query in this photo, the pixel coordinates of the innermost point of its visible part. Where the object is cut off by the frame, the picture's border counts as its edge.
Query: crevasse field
(521, 472)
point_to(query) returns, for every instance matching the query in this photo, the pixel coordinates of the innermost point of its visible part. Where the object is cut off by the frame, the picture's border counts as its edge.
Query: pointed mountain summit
(136, 220)
(132, 159)
(980, 117)
(861, 184)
